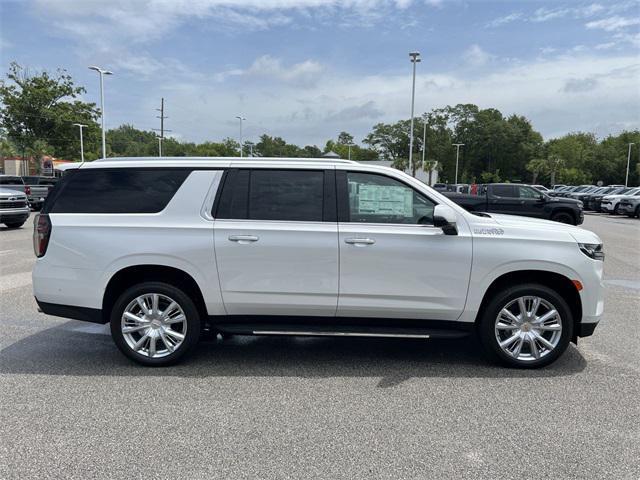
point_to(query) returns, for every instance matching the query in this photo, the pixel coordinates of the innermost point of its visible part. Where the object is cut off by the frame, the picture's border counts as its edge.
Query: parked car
(630, 206)
(610, 203)
(164, 248)
(542, 188)
(39, 188)
(14, 182)
(516, 199)
(14, 209)
(558, 186)
(592, 200)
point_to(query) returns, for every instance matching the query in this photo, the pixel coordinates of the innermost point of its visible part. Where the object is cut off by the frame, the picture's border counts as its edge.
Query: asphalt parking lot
(71, 406)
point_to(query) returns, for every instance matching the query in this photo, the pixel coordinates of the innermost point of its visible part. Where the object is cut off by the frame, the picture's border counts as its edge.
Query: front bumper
(14, 214)
(606, 207)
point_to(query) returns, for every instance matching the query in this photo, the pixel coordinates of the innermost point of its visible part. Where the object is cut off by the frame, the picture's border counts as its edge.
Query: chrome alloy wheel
(154, 325)
(528, 328)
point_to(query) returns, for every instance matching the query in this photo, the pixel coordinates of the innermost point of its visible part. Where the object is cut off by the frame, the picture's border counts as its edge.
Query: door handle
(243, 238)
(359, 241)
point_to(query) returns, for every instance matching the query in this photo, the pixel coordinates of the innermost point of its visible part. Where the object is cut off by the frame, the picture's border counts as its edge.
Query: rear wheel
(155, 324)
(563, 217)
(526, 326)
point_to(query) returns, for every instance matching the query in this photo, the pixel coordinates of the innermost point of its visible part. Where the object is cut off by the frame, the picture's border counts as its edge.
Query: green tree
(44, 107)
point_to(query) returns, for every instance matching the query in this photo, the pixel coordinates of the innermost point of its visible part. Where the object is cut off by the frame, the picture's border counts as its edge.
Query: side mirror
(445, 217)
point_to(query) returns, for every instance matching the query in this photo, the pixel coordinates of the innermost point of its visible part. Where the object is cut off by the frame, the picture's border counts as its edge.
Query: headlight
(580, 204)
(592, 250)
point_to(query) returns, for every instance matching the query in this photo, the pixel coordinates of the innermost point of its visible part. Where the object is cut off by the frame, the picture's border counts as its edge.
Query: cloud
(304, 74)
(579, 85)
(367, 110)
(476, 56)
(613, 23)
(498, 22)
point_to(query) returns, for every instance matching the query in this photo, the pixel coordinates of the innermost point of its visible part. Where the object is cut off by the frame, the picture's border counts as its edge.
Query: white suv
(164, 249)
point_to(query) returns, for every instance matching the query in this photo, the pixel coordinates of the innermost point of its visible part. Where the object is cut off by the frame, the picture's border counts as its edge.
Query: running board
(316, 330)
(340, 334)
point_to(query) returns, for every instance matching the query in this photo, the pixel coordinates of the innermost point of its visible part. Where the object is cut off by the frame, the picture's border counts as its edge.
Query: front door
(275, 236)
(393, 262)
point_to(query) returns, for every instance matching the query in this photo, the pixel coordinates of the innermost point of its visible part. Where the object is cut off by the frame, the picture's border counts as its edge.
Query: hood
(616, 197)
(579, 234)
(564, 200)
(7, 192)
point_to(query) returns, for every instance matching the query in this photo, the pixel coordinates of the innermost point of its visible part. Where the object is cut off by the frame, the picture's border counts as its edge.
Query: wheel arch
(134, 274)
(566, 210)
(556, 281)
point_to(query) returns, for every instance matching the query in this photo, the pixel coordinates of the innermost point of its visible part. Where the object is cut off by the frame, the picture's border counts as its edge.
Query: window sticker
(384, 200)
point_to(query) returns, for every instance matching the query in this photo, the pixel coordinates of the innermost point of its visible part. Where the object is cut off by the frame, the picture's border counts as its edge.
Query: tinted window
(30, 180)
(11, 181)
(123, 190)
(504, 191)
(380, 199)
(47, 181)
(286, 195)
(528, 192)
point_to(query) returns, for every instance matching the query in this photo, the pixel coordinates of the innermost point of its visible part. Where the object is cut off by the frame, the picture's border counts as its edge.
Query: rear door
(276, 242)
(504, 199)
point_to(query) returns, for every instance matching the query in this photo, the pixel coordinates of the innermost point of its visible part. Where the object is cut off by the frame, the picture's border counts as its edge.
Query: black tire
(615, 210)
(487, 332)
(637, 212)
(563, 217)
(14, 224)
(188, 307)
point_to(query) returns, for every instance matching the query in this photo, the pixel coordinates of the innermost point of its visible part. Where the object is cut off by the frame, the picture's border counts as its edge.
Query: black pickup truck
(516, 199)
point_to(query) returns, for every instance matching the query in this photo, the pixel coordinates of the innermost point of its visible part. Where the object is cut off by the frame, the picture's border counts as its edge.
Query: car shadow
(69, 350)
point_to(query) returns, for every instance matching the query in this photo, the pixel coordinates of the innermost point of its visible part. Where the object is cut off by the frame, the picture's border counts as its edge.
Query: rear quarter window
(124, 190)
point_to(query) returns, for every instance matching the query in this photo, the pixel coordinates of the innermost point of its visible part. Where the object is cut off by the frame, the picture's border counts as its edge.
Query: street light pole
(102, 73)
(626, 179)
(415, 58)
(424, 143)
(81, 126)
(457, 145)
(159, 146)
(241, 118)
(349, 145)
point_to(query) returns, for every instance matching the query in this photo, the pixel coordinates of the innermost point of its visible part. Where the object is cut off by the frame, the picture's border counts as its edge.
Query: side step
(340, 331)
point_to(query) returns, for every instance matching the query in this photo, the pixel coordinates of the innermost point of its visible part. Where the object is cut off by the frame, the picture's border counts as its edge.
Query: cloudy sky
(307, 69)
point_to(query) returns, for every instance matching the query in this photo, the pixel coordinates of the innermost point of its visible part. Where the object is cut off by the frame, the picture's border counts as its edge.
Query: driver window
(379, 199)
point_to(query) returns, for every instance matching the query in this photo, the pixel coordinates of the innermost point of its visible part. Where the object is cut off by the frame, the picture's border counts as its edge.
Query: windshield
(11, 181)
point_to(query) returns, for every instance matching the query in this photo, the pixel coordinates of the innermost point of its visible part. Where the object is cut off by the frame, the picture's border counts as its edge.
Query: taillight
(27, 190)
(41, 234)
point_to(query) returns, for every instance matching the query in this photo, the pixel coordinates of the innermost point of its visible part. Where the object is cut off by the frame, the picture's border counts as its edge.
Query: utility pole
(161, 129)
(81, 126)
(626, 179)
(457, 145)
(415, 58)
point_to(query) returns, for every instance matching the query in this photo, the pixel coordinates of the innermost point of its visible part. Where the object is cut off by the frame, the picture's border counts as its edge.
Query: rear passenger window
(508, 191)
(294, 195)
(124, 190)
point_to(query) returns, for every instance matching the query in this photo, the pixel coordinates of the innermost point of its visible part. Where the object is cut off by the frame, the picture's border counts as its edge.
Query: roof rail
(229, 159)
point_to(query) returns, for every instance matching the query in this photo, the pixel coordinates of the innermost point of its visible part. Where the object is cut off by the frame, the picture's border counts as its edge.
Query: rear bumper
(84, 314)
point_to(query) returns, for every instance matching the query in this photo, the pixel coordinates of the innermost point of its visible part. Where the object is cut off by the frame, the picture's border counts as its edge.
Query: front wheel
(563, 217)
(526, 326)
(155, 324)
